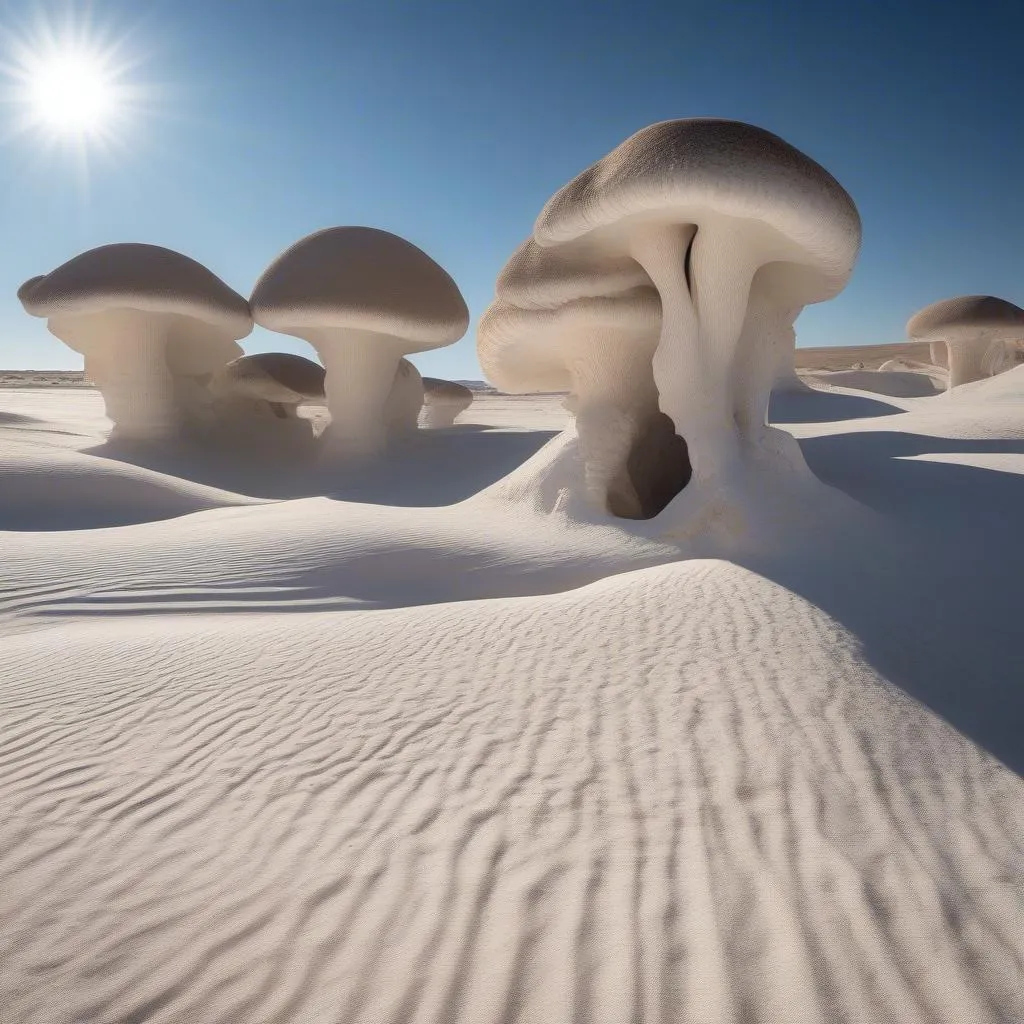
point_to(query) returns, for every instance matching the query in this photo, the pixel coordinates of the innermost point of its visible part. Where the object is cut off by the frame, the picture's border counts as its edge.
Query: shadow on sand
(430, 468)
(935, 596)
(16, 419)
(825, 407)
(22, 422)
(933, 591)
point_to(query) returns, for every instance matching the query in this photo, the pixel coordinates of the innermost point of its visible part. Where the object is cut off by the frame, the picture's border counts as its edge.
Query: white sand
(413, 753)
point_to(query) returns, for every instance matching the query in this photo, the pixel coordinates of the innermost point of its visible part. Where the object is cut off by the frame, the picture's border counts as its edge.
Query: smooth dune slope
(61, 489)
(990, 409)
(678, 794)
(315, 553)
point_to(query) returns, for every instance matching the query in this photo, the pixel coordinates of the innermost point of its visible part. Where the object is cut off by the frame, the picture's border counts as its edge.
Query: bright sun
(70, 82)
(71, 93)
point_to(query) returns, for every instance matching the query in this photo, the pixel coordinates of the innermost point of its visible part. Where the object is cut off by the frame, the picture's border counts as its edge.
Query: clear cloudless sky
(451, 122)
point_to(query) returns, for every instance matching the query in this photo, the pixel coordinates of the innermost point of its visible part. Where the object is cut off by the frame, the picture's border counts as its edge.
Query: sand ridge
(610, 833)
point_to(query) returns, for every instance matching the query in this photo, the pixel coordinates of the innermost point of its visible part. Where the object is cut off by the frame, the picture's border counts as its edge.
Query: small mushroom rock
(266, 385)
(150, 323)
(980, 333)
(443, 401)
(363, 298)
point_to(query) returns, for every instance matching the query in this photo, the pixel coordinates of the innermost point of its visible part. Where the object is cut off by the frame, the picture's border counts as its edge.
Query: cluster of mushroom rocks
(159, 334)
(973, 336)
(660, 288)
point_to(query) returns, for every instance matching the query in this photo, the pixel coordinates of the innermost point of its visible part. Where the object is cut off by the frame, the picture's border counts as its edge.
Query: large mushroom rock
(150, 323)
(738, 230)
(443, 401)
(597, 348)
(362, 298)
(980, 332)
(404, 402)
(267, 385)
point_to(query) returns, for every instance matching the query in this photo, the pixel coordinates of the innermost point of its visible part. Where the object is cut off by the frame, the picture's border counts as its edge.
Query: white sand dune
(674, 795)
(353, 758)
(57, 489)
(315, 553)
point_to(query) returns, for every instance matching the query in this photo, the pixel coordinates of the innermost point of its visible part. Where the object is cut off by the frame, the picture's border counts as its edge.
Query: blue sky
(451, 123)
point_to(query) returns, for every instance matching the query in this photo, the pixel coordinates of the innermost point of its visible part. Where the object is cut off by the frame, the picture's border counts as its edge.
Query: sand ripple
(609, 805)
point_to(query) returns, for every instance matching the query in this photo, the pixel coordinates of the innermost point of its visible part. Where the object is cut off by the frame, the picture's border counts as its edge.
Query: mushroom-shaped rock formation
(150, 322)
(597, 348)
(443, 401)
(267, 385)
(362, 298)
(738, 230)
(979, 332)
(403, 405)
(519, 349)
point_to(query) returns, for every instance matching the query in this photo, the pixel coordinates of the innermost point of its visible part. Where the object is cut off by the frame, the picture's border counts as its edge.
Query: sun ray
(70, 84)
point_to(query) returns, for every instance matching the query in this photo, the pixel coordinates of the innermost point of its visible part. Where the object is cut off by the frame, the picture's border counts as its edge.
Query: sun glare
(69, 83)
(71, 93)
